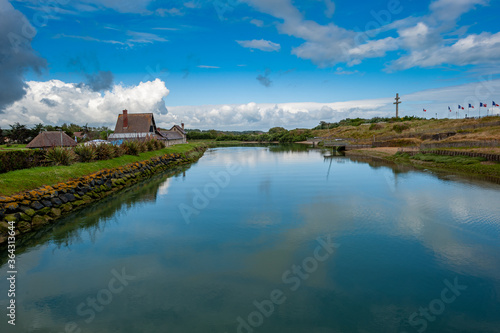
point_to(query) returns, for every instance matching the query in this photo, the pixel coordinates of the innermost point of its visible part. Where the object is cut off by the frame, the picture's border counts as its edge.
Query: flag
(471, 106)
(425, 110)
(449, 109)
(494, 104)
(482, 105)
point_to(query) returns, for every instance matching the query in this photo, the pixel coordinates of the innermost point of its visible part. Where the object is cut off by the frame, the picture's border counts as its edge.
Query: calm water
(269, 239)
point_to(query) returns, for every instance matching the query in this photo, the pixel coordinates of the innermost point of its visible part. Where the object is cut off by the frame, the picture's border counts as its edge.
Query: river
(269, 239)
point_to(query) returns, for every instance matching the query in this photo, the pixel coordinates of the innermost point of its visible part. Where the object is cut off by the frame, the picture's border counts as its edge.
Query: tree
(103, 135)
(19, 133)
(276, 130)
(1, 136)
(36, 130)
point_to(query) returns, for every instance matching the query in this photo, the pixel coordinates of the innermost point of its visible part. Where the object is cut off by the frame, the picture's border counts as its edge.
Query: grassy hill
(414, 132)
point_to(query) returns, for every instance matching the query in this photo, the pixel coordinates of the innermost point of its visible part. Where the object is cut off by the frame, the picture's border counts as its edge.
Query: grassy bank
(28, 179)
(457, 164)
(486, 128)
(463, 165)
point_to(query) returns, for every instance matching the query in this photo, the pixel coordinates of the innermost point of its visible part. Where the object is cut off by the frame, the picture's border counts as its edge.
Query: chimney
(182, 125)
(125, 119)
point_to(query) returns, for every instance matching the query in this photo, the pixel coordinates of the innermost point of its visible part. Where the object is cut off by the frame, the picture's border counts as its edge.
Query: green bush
(375, 126)
(150, 145)
(85, 153)
(399, 128)
(21, 159)
(11, 160)
(104, 151)
(158, 144)
(118, 150)
(60, 156)
(131, 147)
(142, 146)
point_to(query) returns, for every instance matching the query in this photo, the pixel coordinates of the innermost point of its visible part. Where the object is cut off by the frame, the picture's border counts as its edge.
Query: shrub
(142, 146)
(60, 156)
(131, 147)
(104, 151)
(399, 128)
(158, 144)
(118, 150)
(375, 126)
(150, 145)
(404, 142)
(85, 153)
(21, 159)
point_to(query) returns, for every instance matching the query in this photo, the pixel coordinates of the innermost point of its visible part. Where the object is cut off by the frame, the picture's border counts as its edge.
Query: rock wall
(33, 209)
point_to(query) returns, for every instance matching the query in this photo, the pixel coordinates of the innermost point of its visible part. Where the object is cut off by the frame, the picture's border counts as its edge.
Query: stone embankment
(33, 209)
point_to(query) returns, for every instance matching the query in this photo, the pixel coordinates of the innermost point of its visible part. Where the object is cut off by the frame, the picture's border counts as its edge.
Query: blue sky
(228, 64)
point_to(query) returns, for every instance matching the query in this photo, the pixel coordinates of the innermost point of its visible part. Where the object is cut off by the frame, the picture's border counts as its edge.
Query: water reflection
(93, 219)
(401, 234)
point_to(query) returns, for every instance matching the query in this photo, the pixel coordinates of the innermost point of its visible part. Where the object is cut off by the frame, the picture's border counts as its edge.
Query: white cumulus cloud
(473, 49)
(57, 102)
(422, 41)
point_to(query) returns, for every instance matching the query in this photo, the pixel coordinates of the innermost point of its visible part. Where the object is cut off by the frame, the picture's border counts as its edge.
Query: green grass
(13, 147)
(462, 160)
(457, 164)
(28, 179)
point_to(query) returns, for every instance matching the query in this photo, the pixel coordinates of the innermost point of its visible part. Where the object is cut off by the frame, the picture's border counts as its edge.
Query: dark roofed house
(179, 129)
(175, 135)
(51, 139)
(142, 126)
(135, 126)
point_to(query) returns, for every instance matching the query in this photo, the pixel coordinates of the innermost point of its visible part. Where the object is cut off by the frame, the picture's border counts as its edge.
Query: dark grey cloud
(102, 80)
(96, 79)
(49, 102)
(16, 54)
(264, 79)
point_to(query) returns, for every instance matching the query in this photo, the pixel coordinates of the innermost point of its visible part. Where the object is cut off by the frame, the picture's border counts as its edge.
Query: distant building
(80, 136)
(51, 139)
(142, 126)
(175, 135)
(135, 126)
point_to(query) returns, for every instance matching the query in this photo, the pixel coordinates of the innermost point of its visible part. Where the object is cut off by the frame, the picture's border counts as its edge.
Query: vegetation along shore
(38, 196)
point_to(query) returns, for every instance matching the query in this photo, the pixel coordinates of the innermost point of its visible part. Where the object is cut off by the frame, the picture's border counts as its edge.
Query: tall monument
(397, 102)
